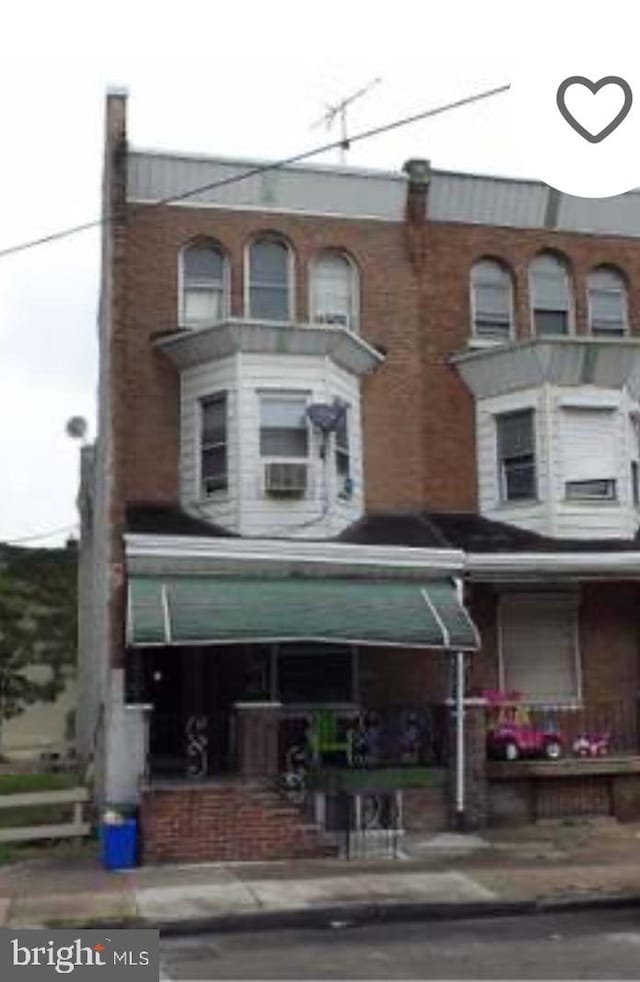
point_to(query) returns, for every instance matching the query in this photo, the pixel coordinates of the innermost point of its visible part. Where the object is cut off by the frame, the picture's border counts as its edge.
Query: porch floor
(565, 767)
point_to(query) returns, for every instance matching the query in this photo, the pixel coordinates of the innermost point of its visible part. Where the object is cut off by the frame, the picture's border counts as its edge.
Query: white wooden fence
(32, 799)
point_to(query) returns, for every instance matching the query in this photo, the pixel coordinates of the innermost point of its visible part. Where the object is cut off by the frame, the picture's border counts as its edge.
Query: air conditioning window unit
(285, 479)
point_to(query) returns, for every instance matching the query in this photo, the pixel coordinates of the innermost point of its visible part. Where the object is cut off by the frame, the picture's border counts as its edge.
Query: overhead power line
(262, 168)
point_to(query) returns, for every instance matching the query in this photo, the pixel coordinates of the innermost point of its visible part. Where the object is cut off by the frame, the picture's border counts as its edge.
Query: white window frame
(504, 500)
(342, 486)
(302, 395)
(353, 322)
(216, 493)
(476, 339)
(625, 306)
(572, 490)
(570, 297)
(573, 600)
(291, 278)
(225, 282)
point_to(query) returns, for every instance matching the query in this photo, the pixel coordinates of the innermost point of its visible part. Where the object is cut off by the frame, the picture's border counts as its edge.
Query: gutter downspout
(460, 731)
(460, 756)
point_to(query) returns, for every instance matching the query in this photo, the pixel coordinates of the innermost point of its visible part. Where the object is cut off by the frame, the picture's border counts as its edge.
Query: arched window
(607, 295)
(204, 285)
(269, 280)
(491, 301)
(550, 294)
(333, 291)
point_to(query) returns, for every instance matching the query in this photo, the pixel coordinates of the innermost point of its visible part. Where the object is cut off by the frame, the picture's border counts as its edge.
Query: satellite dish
(76, 427)
(325, 415)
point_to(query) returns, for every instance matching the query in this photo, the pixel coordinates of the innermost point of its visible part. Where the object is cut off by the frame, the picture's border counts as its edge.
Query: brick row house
(368, 456)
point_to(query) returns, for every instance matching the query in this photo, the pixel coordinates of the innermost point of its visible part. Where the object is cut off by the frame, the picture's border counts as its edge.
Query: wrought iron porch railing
(368, 739)
(605, 726)
(190, 746)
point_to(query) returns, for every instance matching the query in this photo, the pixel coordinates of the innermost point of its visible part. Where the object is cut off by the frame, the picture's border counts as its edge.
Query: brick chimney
(418, 172)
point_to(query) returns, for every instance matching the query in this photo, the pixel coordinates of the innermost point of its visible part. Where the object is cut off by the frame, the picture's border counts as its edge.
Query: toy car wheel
(553, 750)
(510, 750)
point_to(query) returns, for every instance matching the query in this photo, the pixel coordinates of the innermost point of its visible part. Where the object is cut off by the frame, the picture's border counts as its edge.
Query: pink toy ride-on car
(511, 741)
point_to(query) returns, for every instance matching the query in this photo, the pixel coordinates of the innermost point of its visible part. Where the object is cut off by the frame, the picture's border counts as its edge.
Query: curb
(359, 913)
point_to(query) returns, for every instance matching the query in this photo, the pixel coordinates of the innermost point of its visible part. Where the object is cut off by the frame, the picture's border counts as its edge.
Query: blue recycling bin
(118, 843)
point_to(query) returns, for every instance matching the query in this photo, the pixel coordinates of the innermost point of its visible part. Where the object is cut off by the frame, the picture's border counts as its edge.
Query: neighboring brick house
(336, 406)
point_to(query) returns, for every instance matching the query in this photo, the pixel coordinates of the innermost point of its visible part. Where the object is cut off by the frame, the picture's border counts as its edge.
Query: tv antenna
(339, 110)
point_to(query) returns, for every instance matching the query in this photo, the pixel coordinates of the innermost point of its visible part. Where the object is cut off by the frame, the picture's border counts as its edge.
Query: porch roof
(183, 610)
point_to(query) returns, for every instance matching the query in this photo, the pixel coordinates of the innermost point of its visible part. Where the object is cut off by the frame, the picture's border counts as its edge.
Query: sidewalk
(555, 864)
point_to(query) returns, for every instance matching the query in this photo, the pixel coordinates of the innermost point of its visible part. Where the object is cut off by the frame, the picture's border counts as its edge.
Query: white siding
(245, 507)
(527, 514)
(196, 384)
(582, 432)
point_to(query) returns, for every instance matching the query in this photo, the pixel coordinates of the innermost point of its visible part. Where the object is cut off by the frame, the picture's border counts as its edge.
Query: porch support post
(460, 741)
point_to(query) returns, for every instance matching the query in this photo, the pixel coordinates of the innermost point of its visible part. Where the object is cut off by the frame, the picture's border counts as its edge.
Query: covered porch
(323, 688)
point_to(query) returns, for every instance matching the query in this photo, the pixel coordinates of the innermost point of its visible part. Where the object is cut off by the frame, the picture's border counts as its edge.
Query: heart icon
(594, 88)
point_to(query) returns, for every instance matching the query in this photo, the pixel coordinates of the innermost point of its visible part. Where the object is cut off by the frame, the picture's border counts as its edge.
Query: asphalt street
(587, 945)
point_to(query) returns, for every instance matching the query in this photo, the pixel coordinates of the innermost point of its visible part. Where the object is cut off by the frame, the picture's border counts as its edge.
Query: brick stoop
(225, 820)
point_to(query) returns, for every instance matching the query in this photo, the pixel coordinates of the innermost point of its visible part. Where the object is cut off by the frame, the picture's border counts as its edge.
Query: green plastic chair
(324, 736)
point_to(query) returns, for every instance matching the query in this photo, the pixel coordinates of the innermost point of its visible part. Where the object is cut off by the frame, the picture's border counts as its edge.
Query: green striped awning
(179, 610)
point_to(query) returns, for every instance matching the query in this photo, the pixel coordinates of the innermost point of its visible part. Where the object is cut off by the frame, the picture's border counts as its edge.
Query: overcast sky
(246, 79)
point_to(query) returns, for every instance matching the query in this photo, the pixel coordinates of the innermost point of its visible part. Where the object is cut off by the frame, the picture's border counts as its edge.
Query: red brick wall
(222, 822)
(418, 416)
(608, 643)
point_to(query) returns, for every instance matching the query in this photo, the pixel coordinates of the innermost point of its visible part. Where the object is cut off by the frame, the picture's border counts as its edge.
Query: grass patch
(23, 783)
(51, 850)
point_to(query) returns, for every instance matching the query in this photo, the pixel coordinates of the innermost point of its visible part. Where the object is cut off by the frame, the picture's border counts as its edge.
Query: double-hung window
(269, 293)
(550, 296)
(204, 285)
(516, 455)
(491, 301)
(607, 294)
(333, 291)
(213, 443)
(589, 438)
(284, 430)
(343, 461)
